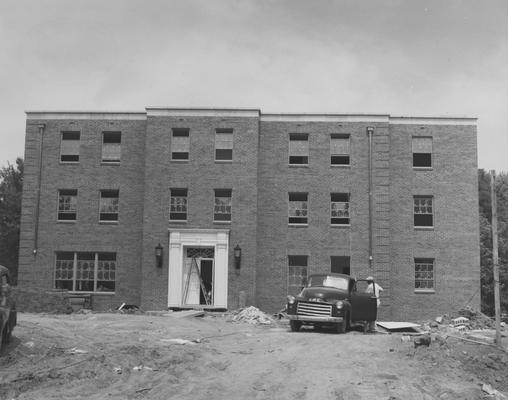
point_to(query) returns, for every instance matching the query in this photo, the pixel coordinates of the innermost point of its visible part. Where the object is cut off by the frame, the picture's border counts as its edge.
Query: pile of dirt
(251, 315)
(466, 318)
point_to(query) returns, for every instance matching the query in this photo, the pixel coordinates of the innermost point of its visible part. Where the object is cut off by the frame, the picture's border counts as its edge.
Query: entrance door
(197, 268)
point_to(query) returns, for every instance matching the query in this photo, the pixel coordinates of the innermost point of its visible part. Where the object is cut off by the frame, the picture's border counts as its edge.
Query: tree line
(11, 185)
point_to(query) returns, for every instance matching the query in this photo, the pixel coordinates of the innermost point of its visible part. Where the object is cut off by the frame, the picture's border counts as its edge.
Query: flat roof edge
(115, 115)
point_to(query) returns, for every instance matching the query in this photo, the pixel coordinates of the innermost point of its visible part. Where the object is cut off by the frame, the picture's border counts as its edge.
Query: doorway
(198, 272)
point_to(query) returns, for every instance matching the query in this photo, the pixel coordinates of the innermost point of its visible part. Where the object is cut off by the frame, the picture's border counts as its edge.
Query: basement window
(85, 271)
(69, 147)
(422, 152)
(423, 213)
(111, 147)
(67, 204)
(298, 149)
(424, 274)
(297, 274)
(180, 144)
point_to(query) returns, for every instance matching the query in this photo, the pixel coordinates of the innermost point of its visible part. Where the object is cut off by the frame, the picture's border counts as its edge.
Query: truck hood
(325, 294)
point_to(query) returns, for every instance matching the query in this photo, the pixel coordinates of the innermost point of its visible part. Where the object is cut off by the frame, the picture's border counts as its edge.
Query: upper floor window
(180, 144)
(298, 149)
(178, 206)
(67, 204)
(222, 206)
(108, 207)
(422, 152)
(298, 208)
(111, 147)
(85, 272)
(69, 147)
(297, 274)
(339, 205)
(424, 274)
(223, 144)
(339, 149)
(423, 214)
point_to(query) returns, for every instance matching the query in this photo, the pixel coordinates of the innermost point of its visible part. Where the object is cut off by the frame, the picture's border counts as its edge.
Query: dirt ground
(125, 356)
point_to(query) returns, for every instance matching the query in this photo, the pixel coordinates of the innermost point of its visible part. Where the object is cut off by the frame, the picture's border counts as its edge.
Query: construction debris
(187, 314)
(399, 326)
(252, 315)
(181, 341)
(422, 341)
(493, 392)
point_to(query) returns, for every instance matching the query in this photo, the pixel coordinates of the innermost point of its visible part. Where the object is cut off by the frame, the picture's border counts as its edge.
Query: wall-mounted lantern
(238, 256)
(158, 255)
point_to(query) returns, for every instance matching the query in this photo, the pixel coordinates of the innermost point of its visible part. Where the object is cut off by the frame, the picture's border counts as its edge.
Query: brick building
(134, 207)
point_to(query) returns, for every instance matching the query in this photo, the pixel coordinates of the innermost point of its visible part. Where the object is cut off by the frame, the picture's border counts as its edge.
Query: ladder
(194, 268)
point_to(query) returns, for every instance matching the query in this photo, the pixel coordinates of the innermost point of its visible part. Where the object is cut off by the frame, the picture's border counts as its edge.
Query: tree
(11, 186)
(487, 283)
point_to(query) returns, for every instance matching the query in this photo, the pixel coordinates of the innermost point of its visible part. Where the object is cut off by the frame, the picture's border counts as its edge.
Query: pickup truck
(8, 315)
(333, 300)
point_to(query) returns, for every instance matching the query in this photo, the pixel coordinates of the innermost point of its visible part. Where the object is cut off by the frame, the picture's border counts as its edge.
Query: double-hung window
(424, 274)
(111, 147)
(222, 205)
(224, 145)
(178, 206)
(67, 204)
(339, 149)
(69, 147)
(85, 271)
(297, 274)
(180, 144)
(298, 149)
(339, 209)
(423, 211)
(108, 205)
(422, 152)
(298, 208)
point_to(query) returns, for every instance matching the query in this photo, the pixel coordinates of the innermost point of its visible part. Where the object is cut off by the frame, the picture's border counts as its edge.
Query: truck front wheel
(295, 325)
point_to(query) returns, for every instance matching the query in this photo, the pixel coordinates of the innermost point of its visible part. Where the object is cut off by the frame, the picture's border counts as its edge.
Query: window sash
(298, 147)
(180, 144)
(422, 145)
(224, 140)
(111, 152)
(423, 205)
(339, 146)
(424, 274)
(69, 146)
(86, 272)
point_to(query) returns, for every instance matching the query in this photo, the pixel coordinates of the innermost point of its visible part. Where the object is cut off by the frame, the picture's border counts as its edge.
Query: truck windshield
(328, 281)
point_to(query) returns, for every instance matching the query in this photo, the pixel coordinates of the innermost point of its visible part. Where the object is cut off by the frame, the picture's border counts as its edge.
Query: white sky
(400, 57)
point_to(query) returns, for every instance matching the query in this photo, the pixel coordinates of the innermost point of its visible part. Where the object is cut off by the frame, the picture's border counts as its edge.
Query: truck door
(363, 305)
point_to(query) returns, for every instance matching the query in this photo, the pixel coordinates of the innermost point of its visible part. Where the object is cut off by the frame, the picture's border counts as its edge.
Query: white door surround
(180, 238)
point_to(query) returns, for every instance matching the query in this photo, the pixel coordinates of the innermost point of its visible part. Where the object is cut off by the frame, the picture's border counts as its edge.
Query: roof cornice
(202, 112)
(111, 115)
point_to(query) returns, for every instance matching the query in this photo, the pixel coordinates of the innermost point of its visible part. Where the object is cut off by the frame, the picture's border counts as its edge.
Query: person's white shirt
(374, 287)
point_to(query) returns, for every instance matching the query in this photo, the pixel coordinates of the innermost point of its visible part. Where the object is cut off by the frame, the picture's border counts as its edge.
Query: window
(423, 211)
(422, 152)
(298, 212)
(85, 271)
(180, 144)
(339, 149)
(222, 207)
(69, 147)
(340, 264)
(223, 144)
(67, 204)
(424, 274)
(339, 207)
(111, 147)
(108, 208)
(178, 206)
(298, 149)
(297, 274)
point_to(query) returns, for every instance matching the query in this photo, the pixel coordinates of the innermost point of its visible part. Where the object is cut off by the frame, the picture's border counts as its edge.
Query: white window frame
(180, 132)
(426, 263)
(96, 264)
(301, 213)
(218, 211)
(348, 208)
(298, 137)
(340, 136)
(116, 145)
(62, 146)
(224, 131)
(415, 138)
(70, 210)
(171, 206)
(419, 211)
(103, 203)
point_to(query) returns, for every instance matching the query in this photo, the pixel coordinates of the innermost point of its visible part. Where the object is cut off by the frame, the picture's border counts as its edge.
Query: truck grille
(314, 309)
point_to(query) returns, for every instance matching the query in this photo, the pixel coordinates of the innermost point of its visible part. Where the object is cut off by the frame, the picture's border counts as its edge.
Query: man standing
(376, 290)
